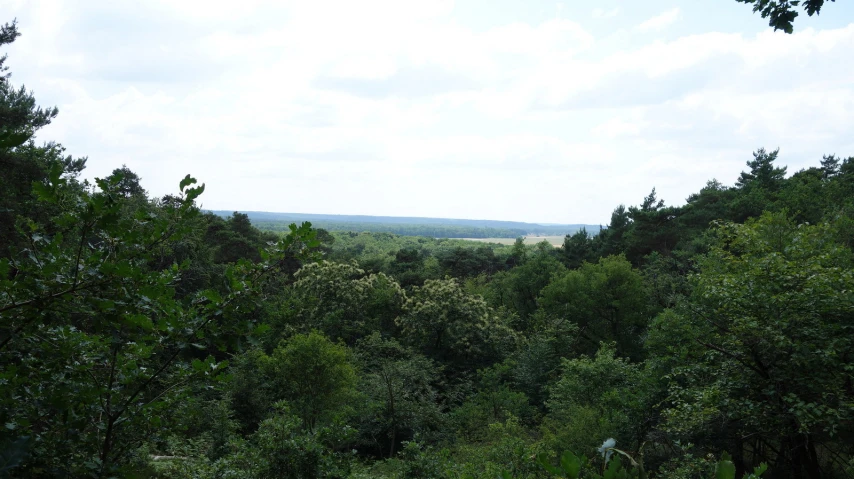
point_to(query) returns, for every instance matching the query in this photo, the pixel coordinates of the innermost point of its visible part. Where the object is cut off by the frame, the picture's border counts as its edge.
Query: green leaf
(614, 468)
(187, 181)
(194, 193)
(44, 192)
(543, 460)
(725, 469)
(9, 139)
(140, 320)
(571, 465)
(760, 469)
(199, 366)
(211, 295)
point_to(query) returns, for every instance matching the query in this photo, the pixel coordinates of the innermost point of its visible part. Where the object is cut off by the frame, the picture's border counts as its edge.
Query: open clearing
(553, 240)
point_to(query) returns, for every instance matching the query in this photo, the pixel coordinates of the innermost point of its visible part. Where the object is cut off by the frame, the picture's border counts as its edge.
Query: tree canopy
(143, 337)
(781, 14)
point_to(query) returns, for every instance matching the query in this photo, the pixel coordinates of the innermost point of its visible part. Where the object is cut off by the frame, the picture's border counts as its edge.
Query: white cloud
(659, 22)
(378, 108)
(602, 13)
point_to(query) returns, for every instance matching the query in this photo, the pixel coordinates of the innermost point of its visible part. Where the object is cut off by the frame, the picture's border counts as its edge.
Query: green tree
(21, 161)
(578, 248)
(608, 301)
(129, 184)
(611, 239)
(399, 387)
(450, 325)
(763, 174)
(762, 351)
(711, 203)
(94, 345)
(758, 189)
(653, 229)
(781, 14)
(517, 289)
(468, 262)
(282, 448)
(344, 301)
(494, 401)
(314, 375)
(599, 396)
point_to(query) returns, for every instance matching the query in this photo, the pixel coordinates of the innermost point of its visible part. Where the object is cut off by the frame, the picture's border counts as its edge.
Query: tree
(315, 376)
(599, 396)
(21, 161)
(607, 300)
(611, 240)
(492, 402)
(344, 301)
(782, 13)
(711, 203)
(762, 351)
(408, 267)
(653, 229)
(804, 197)
(95, 345)
(8, 34)
(468, 262)
(129, 183)
(758, 189)
(399, 386)
(517, 289)
(829, 166)
(578, 248)
(452, 326)
(763, 174)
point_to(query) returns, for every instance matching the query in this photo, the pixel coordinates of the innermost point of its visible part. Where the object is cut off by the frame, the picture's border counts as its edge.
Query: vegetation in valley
(408, 226)
(143, 337)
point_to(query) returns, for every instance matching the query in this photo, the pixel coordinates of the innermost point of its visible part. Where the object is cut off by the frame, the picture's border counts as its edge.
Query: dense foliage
(142, 337)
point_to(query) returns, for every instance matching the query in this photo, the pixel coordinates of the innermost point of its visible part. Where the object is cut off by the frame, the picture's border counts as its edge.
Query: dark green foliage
(467, 262)
(578, 248)
(768, 331)
(400, 393)
(448, 325)
(518, 289)
(781, 14)
(654, 229)
(495, 401)
(600, 396)
(141, 337)
(608, 301)
(128, 184)
(21, 161)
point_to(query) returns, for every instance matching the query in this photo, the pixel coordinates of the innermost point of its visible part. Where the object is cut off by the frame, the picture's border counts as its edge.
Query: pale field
(553, 240)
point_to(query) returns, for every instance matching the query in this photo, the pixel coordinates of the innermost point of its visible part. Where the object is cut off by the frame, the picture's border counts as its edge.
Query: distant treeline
(434, 231)
(411, 226)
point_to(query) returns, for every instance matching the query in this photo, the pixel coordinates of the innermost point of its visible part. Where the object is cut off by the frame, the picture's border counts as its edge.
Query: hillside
(411, 226)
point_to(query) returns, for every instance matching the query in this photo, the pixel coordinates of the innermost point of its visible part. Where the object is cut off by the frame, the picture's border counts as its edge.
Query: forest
(143, 337)
(409, 226)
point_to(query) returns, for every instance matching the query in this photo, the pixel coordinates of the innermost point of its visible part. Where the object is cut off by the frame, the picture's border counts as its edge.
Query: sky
(535, 111)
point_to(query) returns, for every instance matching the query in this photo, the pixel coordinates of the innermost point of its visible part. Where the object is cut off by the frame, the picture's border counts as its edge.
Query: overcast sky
(489, 109)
